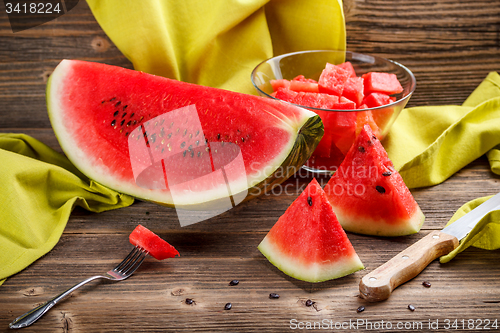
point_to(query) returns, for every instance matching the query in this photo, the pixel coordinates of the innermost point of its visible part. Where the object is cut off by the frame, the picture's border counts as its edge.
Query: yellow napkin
(40, 188)
(429, 144)
(217, 42)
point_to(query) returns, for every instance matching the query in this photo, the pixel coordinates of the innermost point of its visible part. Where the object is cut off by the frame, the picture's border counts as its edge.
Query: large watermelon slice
(368, 194)
(308, 242)
(175, 143)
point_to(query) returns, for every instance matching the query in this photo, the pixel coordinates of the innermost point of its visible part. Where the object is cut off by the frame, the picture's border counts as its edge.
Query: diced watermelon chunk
(151, 242)
(366, 118)
(348, 67)
(344, 104)
(281, 83)
(377, 99)
(381, 82)
(332, 80)
(302, 78)
(353, 90)
(286, 94)
(342, 126)
(304, 86)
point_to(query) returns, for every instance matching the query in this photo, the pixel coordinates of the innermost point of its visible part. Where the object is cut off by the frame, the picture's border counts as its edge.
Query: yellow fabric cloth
(39, 189)
(217, 42)
(429, 144)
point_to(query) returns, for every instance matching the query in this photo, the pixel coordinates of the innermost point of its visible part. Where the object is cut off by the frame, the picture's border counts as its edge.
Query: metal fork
(122, 271)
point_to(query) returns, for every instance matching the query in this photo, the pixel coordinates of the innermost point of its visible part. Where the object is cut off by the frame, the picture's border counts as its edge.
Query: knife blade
(379, 284)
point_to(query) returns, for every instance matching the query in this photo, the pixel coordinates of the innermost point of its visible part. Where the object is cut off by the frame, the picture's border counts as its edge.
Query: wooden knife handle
(379, 284)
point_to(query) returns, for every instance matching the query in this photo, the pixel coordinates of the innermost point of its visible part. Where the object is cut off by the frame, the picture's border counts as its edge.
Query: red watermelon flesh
(332, 79)
(112, 122)
(368, 194)
(381, 82)
(281, 83)
(151, 242)
(308, 242)
(353, 90)
(348, 67)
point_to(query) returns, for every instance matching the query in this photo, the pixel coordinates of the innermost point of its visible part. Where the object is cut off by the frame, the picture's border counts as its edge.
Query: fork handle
(33, 315)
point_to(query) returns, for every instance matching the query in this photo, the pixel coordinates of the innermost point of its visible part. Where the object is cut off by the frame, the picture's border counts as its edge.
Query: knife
(379, 284)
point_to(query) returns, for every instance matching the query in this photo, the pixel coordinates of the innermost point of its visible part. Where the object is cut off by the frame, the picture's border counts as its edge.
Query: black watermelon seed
(190, 147)
(126, 134)
(369, 142)
(309, 302)
(184, 153)
(228, 306)
(189, 301)
(111, 100)
(185, 131)
(113, 123)
(197, 132)
(411, 307)
(153, 138)
(426, 284)
(103, 102)
(374, 137)
(197, 142)
(218, 136)
(162, 150)
(132, 114)
(274, 295)
(387, 174)
(183, 144)
(360, 309)
(115, 114)
(361, 149)
(129, 123)
(380, 189)
(118, 104)
(169, 135)
(192, 153)
(199, 153)
(242, 139)
(134, 122)
(233, 282)
(124, 107)
(122, 122)
(309, 201)
(124, 114)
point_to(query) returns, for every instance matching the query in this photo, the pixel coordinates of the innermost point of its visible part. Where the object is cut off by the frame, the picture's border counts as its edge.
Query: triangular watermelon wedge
(308, 243)
(368, 194)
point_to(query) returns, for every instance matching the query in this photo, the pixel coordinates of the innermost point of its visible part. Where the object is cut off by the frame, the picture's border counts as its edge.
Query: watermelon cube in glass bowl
(346, 89)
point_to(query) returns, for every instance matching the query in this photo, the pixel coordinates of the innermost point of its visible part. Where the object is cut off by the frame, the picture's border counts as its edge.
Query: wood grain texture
(449, 45)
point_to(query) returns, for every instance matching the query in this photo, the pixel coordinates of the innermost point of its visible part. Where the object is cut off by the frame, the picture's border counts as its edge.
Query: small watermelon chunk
(308, 243)
(368, 194)
(303, 86)
(381, 82)
(376, 99)
(332, 80)
(151, 242)
(353, 90)
(363, 118)
(280, 83)
(348, 67)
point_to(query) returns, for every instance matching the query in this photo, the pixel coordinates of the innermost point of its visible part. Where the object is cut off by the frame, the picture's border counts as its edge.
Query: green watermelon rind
(313, 272)
(308, 131)
(395, 228)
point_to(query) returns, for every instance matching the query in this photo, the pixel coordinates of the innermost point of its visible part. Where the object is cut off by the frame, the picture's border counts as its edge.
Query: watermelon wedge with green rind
(368, 194)
(308, 243)
(95, 108)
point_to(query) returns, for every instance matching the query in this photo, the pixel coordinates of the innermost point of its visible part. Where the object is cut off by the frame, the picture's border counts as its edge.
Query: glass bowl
(311, 64)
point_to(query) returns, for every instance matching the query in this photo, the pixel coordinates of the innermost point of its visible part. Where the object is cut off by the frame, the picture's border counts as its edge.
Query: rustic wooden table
(449, 45)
